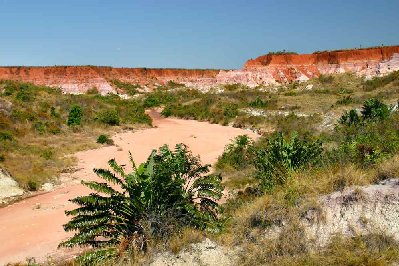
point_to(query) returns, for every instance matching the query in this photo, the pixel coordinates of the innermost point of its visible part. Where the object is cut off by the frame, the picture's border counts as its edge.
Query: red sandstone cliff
(271, 68)
(266, 69)
(78, 79)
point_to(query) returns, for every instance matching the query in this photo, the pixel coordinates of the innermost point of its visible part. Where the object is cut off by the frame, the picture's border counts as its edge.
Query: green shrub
(152, 101)
(167, 192)
(33, 186)
(102, 139)
(4, 136)
(75, 116)
(345, 100)
(237, 155)
(39, 127)
(24, 95)
(47, 154)
(350, 118)
(128, 88)
(109, 117)
(368, 142)
(375, 109)
(280, 157)
(258, 103)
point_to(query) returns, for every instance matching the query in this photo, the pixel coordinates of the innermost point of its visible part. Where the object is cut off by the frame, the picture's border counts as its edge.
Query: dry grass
(41, 158)
(187, 237)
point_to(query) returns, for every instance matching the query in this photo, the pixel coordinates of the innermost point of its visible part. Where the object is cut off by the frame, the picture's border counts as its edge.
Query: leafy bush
(75, 116)
(375, 109)
(237, 155)
(368, 142)
(167, 192)
(372, 109)
(258, 103)
(345, 100)
(102, 139)
(280, 157)
(109, 117)
(32, 186)
(350, 118)
(5, 136)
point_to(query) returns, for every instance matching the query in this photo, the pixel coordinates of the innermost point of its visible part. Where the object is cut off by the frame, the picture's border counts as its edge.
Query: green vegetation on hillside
(42, 125)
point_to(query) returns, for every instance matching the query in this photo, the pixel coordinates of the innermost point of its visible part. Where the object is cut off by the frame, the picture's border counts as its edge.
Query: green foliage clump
(104, 139)
(109, 116)
(345, 100)
(373, 109)
(167, 192)
(280, 157)
(4, 136)
(258, 103)
(75, 116)
(237, 155)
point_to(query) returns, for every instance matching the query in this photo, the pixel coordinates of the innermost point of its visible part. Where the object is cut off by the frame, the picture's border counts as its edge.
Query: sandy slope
(33, 227)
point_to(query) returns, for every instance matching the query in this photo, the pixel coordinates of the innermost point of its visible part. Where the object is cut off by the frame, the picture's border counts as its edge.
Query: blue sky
(185, 33)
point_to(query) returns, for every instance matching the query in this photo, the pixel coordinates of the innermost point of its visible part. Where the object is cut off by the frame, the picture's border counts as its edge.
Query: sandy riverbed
(33, 227)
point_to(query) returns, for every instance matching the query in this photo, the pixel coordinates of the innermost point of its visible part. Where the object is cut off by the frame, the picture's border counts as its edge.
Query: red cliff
(282, 68)
(78, 79)
(264, 70)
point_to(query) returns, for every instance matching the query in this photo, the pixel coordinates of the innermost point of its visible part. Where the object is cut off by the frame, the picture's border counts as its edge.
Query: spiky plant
(167, 192)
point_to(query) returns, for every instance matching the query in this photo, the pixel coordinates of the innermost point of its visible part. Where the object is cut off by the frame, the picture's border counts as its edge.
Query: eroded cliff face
(264, 70)
(272, 69)
(79, 79)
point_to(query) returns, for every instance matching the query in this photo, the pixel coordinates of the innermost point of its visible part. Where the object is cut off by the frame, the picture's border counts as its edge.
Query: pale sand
(33, 227)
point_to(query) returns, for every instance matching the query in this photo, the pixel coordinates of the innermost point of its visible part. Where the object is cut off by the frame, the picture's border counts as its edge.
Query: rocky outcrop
(356, 211)
(9, 188)
(284, 68)
(264, 70)
(206, 253)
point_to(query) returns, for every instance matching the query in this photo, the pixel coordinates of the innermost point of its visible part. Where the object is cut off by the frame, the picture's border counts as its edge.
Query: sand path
(33, 227)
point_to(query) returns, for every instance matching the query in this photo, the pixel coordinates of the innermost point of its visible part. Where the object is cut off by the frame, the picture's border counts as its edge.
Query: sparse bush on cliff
(75, 116)
(166, 193)
(128, 88)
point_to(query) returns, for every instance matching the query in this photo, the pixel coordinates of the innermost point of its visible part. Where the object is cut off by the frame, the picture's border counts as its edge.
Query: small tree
(109, 117)
(75, 116)
(166, 192)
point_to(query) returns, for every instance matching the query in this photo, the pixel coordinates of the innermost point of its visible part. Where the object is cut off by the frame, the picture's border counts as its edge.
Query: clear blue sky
(186, 33)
